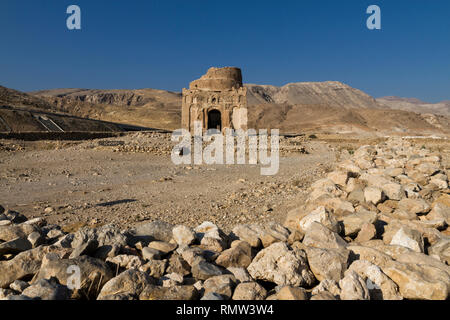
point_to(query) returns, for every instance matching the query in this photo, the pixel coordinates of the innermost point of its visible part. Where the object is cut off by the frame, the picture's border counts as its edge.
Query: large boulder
(15, 246)
(408, 238)
(151, 231)
(419, 282)
(278, 264)
(131, 282)
(223, 285)
(380, 286)
(353, 287)
(249, 291)
(320, 215)
(183, 235)
(47, 289)
(92, 271)
(14, 231)
(25, 264)
(239, 255)
(354, 222)
(320, 236)
(327, 263)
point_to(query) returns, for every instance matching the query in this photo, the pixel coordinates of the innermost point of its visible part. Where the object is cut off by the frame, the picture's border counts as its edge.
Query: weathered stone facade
(218, 100)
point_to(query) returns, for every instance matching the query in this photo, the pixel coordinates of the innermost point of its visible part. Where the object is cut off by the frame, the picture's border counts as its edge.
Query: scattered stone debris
(375, 228)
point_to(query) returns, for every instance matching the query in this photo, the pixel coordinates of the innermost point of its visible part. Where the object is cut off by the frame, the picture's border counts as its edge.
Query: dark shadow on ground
(113, 203)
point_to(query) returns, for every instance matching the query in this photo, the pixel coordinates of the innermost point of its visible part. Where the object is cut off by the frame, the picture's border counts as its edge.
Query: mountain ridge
(329, 105)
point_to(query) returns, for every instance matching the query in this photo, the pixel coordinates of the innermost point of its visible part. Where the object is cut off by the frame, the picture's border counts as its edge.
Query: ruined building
(217, 99)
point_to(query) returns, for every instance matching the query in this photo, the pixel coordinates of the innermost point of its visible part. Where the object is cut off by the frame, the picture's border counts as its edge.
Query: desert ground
(345, 218)
(89, 183)
(359, 209)
(131, 180)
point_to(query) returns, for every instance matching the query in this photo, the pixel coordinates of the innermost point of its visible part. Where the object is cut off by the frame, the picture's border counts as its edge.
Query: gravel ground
(134, 181)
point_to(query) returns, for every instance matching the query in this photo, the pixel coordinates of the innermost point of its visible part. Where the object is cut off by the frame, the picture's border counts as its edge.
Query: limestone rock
(367, 232)
(204, 270)
(353, 287)
(291, 293)
(329, 286)
(248, 234)
(153, 231)
(130, 282)
(354, 222)
(320, 215)
(126, 261)
(327, 263)
(339, 177)
(210, 237)
(185, 292)
(319, 236)
(212, 296)
(441, 250)
(14, 246)
(19, 285)
(241, 274)
(223, 285)
(86, 248)
(441, 209)
(178, 265)
(325, 295)
(409, 238)
(25, 264)
(36, 239)
(150, 254)
(282, 266)
(380, 286)
(154, 268)
(393, 191)
(162, 246)
(14, 231)
(416, 206)
(249, 291)
(239, 255)
(419, 281)
(54, 267)
(171, 279)
(183, 235)
(324, 187)
(373, 195)
(47, 289)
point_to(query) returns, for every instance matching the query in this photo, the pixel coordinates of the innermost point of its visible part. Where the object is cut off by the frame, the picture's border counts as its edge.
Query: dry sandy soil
(77, 183)
(87, 183)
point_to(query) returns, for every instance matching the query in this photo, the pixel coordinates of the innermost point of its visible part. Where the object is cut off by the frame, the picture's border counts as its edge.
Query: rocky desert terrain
(344, 219)
(303, 107)
(359, 209)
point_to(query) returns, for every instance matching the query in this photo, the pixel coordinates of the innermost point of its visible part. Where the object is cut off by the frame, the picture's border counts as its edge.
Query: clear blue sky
(167, 44)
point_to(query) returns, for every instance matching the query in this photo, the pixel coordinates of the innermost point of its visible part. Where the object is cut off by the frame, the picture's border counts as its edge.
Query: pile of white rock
(376, 228)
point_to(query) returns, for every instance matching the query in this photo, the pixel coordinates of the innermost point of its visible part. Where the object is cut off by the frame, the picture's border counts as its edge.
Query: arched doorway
(214, 120)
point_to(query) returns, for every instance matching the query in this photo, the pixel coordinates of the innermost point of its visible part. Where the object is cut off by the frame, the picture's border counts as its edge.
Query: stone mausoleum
(218, 100)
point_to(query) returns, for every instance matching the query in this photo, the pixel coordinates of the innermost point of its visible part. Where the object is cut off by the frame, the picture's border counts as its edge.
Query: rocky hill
(329, 93)
(335, 107)
(143, 107)
(296, 107)
(415, 105)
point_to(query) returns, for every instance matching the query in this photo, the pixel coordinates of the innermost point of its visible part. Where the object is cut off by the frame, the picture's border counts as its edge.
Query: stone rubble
(376, 228)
